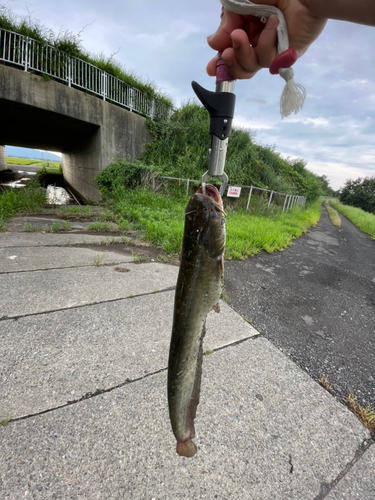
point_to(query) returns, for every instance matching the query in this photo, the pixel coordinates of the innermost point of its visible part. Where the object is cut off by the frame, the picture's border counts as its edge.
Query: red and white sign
(234, 192)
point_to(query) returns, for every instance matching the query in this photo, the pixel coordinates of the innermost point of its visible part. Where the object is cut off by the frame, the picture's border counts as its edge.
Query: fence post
(248, 201)
(187, 188)
(69, 64)
(131, 100)
(289, 202)
(104, 85)
(26, 52)
(152, 114)
(269, 201)
(286, 197)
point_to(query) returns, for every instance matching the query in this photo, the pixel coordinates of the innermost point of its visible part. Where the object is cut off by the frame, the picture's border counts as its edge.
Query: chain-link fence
(250, 195)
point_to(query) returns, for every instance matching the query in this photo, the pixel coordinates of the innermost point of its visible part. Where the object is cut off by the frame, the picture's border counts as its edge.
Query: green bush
(118, 175)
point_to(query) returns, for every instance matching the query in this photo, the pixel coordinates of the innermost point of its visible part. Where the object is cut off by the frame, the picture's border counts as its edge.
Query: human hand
(248, 45)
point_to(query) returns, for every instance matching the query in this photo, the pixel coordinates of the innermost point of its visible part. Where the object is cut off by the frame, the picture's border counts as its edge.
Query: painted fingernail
(271, 23)
(235, 43)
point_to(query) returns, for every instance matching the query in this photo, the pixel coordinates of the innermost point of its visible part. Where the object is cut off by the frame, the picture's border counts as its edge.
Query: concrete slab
(50, 359)
(40, 291)
(359, 482)
(37, 223)
(37, 258)
(55, 239)
(265, 431)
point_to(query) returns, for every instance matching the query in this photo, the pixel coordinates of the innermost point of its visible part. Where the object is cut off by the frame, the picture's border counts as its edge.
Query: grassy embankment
(160, 220)
(363, 220)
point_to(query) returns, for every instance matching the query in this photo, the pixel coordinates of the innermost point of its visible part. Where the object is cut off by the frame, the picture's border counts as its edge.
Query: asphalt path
(315, 301)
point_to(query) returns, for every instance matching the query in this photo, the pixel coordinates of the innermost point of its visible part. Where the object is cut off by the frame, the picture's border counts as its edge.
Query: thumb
(221, 39)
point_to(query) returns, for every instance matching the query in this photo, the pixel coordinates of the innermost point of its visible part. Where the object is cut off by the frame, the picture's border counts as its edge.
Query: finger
(221, 39)
(243, 53)
(253, 27)
(236, 69)
(211, 67)
(266, 48)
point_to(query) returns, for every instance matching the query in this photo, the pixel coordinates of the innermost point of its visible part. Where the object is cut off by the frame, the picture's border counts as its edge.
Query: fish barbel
(199, 286)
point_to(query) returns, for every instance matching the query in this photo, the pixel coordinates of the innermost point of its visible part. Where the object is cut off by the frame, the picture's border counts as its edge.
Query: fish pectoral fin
(217, 308)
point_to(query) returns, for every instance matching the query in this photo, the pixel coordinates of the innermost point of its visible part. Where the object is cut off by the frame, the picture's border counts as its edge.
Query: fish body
(199, 286)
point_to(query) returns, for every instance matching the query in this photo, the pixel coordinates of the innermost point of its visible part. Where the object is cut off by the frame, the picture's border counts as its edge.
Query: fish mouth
(213, 193)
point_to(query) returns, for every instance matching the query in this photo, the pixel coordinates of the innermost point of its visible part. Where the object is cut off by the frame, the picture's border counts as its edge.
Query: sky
(165, 42)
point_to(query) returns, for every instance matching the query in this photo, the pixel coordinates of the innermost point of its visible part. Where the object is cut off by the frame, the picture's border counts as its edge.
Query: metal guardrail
(40, 57)
(290, 201)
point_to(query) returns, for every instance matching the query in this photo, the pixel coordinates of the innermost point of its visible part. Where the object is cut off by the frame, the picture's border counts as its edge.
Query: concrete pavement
(83, 358)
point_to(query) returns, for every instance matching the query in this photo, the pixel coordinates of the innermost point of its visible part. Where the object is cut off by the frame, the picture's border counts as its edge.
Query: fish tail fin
(186, 448)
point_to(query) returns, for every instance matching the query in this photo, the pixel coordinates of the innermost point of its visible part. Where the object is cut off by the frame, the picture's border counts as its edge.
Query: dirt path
(316, 302)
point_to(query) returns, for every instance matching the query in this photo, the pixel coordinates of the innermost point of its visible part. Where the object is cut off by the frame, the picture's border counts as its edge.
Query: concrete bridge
(89, 132)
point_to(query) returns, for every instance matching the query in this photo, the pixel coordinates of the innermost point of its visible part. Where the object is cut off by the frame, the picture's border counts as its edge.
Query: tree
(327, 190)
(359, 193)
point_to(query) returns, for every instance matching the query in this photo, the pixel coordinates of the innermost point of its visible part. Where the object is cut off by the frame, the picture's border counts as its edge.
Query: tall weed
(29, 199)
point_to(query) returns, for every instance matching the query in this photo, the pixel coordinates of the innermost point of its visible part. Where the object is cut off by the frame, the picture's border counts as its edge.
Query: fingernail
(209, 37)
(271, 23)
(235, 43)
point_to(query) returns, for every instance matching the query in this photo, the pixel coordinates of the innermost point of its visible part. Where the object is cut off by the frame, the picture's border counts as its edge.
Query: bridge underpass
(88, 131)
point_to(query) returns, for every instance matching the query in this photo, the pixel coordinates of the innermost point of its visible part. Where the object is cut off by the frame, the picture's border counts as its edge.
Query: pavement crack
(236, 343)
(88, 395)
(326, 488)
(88, 304)
(98, 392)
(63, 268)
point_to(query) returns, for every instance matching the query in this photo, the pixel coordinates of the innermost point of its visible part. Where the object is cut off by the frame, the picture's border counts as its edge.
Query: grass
(160, 220)
(30, 228)
(333, 215)
(248, 234)
(365, 415)
(363, 220)
(138, 258)
(324, 382)
(98, 259)
(102, 226)
(53, 165)
(29, 199)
